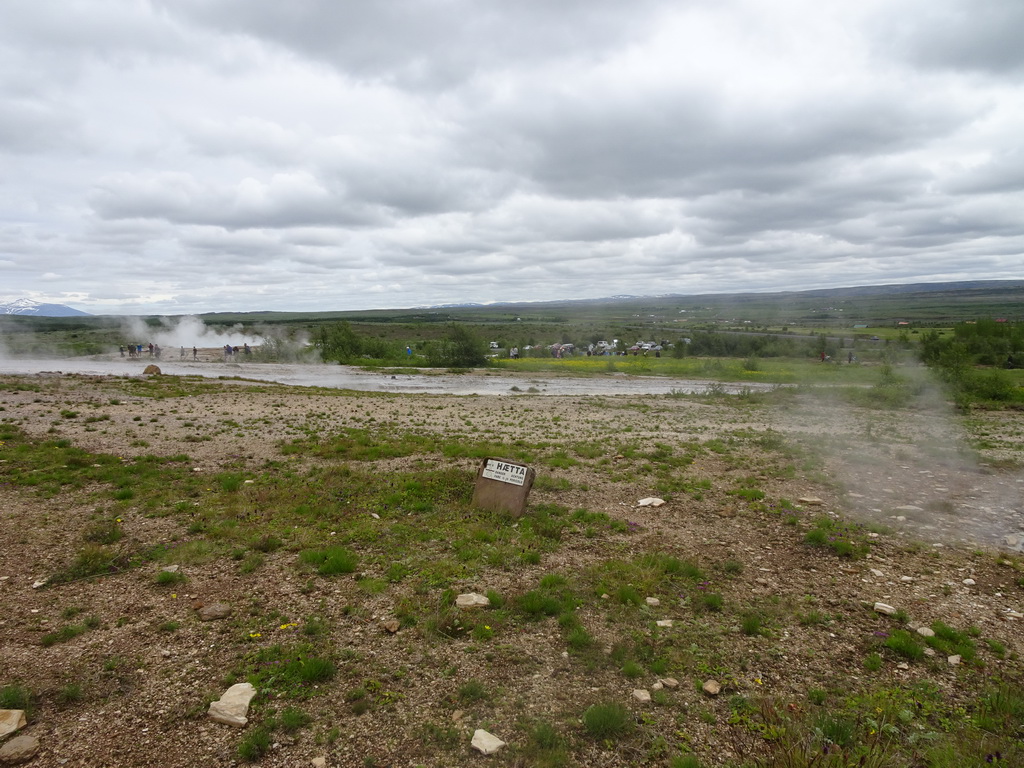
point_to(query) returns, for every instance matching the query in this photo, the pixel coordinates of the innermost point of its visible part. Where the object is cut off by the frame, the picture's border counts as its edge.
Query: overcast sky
(176, 156)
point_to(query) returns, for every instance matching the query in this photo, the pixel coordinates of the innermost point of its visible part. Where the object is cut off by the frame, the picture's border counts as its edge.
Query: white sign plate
(504, 472)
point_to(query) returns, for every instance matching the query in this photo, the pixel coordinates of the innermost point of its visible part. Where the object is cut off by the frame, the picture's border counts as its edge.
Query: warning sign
(504, 472)
(503, 486)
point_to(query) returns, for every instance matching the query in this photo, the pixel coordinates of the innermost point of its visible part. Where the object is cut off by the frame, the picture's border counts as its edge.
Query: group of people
(136, 350)
(229, 350)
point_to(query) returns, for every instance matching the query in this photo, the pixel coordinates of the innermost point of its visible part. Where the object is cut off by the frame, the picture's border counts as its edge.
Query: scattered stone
(903, 665)
(486, 743)
(907, 508)
(214, 611)
(969, 582)
(657, 686)
(472, 600)
(906, 579)
(153, 370)
(20, 749)
(664, 623)
(653, 601)
(11, 720)
(1013, 615)
(1012, 541)
(926, 632)
(391, 627)
(457, 715)
(811, 501)
(712, 687)
(669, 682)
(929, 651)
(605, 596)
(170, 569)
(319, 762)
(953, 660)
(39, 583)
(233, 706)
(877, 573)
(650, 501)
(644, 697)
(885, 608)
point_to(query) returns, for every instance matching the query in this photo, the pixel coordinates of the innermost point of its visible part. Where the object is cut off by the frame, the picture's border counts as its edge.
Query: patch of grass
(752, 624)
(291, 671)
(609, 720)
(70, 693)
(105, 532)
(472, 692)
(903, 643)
(15, 697)
(254, 745)
(293, 719)
(711, 601)
(169, 578)
(62, 635)
(845, 539)
(330, 561)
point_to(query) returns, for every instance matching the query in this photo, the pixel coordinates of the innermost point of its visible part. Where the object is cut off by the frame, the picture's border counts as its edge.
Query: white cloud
(204, 155)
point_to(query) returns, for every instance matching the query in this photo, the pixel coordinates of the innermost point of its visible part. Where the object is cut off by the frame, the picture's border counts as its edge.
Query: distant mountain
(38, 309)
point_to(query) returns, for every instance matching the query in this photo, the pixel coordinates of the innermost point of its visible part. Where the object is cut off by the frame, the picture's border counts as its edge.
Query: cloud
(195, 155)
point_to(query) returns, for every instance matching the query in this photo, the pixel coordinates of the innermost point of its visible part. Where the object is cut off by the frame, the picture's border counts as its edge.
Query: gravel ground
(951, 511)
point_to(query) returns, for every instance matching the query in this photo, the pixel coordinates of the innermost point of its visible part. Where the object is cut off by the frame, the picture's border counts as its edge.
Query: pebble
(641, 695)
(885, 608)
(653, 601)
(953, 660)
(669, 682)
(925, 632)
(969, 582)
(712, 687)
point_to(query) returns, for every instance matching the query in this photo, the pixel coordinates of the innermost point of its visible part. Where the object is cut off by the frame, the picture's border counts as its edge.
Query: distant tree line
(459, 347)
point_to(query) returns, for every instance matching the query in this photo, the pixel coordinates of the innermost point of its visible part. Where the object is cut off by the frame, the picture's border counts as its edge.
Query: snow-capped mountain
(37, 308)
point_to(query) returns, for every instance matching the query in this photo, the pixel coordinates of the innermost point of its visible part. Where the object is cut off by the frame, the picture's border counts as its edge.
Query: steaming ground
(916, 470)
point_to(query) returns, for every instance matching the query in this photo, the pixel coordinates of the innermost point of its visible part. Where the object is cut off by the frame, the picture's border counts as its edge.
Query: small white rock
(885, 608)
(712, 687)
(650, 501)
(953, 660)
(486, 743)
(644, 697)
(653, 601)
(926, 632)
(969, 582)
(669, 682)
(472, 600)
(664, 623)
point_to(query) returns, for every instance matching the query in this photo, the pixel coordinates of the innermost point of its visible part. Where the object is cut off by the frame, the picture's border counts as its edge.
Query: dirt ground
(943, 495)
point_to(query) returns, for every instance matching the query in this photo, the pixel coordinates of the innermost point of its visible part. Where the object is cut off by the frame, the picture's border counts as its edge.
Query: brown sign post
(503, 486)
